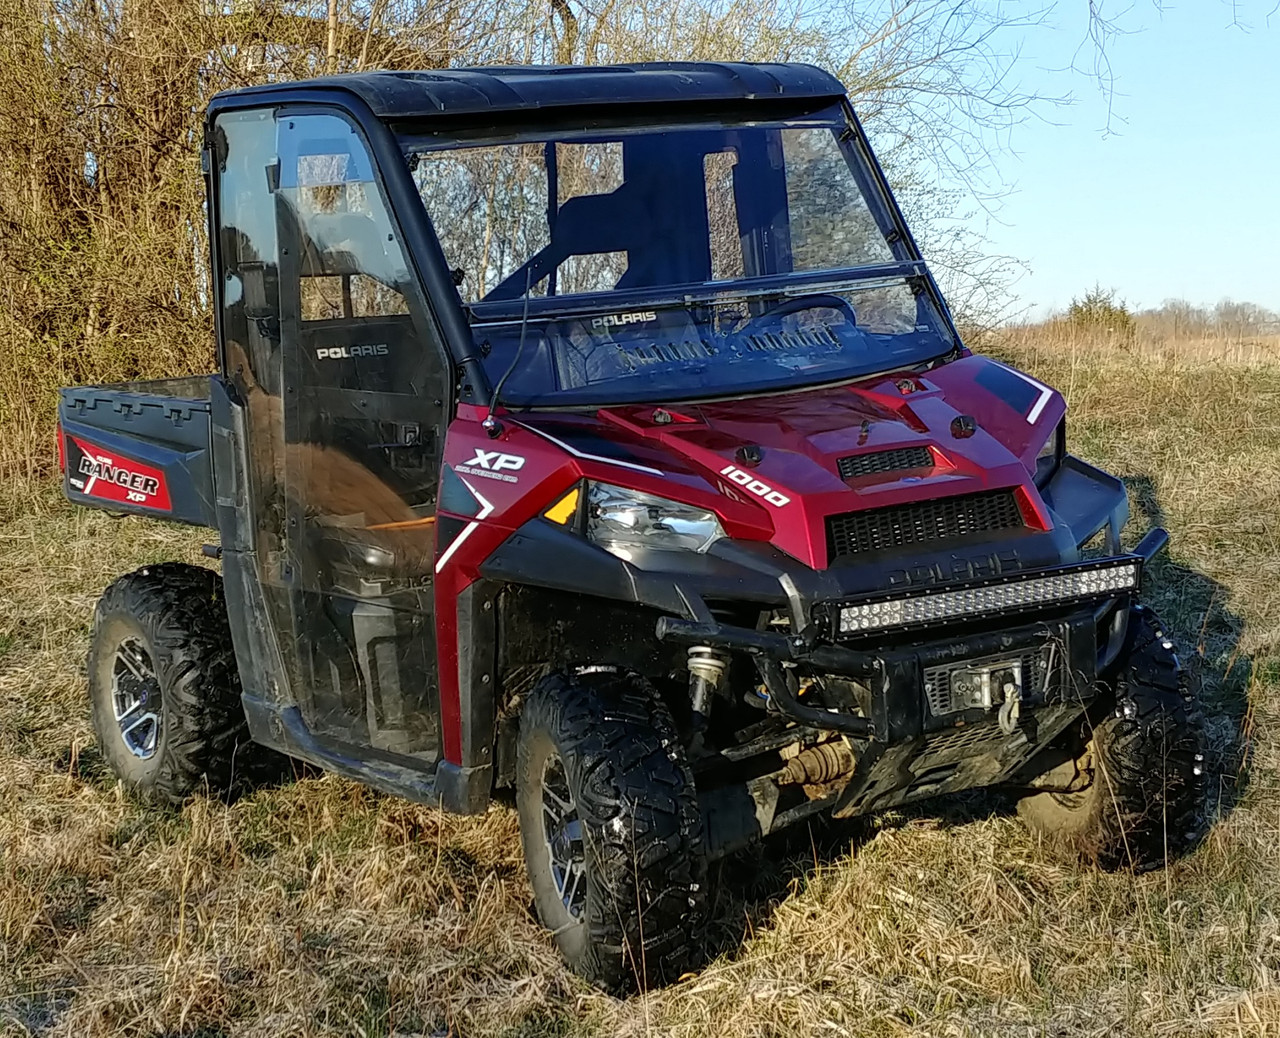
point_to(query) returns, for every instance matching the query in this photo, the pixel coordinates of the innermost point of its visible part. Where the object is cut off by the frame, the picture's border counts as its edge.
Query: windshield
(638, 264)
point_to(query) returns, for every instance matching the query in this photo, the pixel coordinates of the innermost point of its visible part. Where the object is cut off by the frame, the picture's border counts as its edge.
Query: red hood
(800, 438)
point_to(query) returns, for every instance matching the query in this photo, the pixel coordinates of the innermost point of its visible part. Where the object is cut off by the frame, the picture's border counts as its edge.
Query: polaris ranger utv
(599, 434)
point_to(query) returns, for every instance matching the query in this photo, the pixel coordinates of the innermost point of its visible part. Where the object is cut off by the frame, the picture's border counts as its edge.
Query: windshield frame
(414, 137)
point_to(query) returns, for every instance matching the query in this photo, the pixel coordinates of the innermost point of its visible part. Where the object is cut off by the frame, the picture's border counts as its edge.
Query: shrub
(1099, 311)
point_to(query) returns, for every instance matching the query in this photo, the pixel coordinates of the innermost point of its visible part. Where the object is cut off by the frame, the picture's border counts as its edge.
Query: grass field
(317, 907)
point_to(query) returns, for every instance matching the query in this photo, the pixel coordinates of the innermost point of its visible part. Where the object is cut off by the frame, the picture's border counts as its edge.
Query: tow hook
(1011, 709)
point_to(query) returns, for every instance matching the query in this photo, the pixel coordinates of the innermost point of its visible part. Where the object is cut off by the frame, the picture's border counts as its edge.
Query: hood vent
(902, 459)
(801, 339)
(921, 522)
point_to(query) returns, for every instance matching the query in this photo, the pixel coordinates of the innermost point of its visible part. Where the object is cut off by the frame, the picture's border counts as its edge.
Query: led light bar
(965, 603)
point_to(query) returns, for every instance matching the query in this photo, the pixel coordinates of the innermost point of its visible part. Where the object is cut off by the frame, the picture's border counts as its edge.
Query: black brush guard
(906, 752)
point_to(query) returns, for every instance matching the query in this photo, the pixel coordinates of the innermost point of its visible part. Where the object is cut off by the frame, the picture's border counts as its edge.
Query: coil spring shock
(706, 671)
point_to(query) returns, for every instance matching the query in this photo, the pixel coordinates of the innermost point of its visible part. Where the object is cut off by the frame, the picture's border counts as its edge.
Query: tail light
(62, 449)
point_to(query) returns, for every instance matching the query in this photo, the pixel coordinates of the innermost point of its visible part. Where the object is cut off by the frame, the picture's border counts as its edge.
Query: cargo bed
(139, 447)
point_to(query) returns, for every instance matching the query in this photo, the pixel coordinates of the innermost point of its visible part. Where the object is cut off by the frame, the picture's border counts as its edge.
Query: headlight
(1051, 453)
(622, 521)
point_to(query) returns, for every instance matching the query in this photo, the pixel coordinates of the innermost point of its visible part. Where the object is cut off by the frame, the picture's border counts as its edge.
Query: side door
(346, 389)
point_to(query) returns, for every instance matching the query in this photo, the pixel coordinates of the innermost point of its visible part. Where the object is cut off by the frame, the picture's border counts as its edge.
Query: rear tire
(1144, 805)
(611, 830)
(164, 691)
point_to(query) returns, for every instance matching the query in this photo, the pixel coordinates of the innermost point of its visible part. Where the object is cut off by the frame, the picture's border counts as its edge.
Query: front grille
(878, 528)
(901, 459)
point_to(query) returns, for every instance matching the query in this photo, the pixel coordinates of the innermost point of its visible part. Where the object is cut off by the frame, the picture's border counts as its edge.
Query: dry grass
(320, 908)
(1147, 344)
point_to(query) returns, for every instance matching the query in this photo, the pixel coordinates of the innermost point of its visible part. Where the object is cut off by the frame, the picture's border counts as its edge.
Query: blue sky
(1181, 196)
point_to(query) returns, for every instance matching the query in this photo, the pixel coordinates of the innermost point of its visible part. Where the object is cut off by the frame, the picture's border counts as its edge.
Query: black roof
(480, 91)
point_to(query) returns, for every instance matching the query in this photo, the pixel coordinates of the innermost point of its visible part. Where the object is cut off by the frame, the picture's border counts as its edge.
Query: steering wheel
(798, 304)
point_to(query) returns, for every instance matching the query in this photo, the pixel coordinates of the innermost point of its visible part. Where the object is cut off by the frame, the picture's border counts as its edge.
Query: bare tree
(101, 230)
(1106, 24)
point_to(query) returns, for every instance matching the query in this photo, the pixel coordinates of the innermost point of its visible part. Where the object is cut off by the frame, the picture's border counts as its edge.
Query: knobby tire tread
(643, 836)
(182, 612)
(1146, 805)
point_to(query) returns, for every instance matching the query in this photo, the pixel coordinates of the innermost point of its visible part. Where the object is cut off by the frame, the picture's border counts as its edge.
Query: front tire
(611, 830)
(1144, 803)
(164, 691)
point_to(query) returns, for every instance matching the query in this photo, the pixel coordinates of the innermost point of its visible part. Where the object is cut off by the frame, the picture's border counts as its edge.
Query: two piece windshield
(633, 265)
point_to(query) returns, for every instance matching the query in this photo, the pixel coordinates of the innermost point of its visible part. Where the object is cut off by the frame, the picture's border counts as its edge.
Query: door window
(363, 407)
(329, 339)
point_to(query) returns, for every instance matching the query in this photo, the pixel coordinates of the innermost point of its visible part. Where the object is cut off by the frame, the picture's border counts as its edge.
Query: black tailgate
(139, 447)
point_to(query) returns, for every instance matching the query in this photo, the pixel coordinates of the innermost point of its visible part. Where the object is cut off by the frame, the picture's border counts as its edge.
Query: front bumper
(912, 742)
